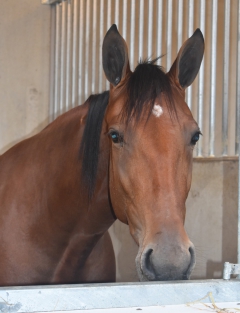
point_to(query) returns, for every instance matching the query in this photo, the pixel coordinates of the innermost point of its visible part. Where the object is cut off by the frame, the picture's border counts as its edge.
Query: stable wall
(24, 69)
(25, 30)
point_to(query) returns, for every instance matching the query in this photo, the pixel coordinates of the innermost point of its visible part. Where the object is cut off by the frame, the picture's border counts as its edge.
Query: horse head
(152, 135)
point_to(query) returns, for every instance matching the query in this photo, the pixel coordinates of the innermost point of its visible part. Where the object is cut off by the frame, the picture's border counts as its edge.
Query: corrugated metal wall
(152, 28)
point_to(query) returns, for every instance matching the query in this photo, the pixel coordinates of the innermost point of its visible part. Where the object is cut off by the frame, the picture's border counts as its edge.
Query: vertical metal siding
(213, 77)
(62, 100)
(190, 32)
(101, 34)
(52, 65)
(180, 24)
(75, 52)
(141, 28)
(94, 46)
(169, 33)
(237, 143)
(226, 76)
(132, 29)
(55, 101)
(87, 51)
(124, 17)
(238, 126)
(69, 55)
(152, 28)
(200, 104)
(81, 44)
(159, 29)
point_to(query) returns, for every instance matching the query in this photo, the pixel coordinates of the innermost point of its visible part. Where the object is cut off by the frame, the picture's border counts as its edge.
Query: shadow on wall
(126, 251)
(212, 215)
(229, 219)
(230, 212)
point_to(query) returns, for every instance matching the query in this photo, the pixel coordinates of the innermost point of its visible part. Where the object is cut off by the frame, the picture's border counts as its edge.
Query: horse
(124, 154)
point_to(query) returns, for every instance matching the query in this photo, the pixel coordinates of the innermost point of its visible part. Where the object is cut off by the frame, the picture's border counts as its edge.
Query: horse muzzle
(171, 263)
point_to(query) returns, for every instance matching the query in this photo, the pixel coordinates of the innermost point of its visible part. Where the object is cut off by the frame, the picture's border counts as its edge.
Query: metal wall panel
(153, 28)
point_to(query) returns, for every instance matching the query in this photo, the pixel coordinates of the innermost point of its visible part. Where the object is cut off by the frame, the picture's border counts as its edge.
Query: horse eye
(116, 137)
(195, 138)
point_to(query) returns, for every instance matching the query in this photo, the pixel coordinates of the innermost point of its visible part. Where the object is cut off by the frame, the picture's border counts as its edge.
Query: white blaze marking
(157, 110)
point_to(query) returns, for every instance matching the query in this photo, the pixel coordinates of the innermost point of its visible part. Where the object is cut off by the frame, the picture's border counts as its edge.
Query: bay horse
(126, 154)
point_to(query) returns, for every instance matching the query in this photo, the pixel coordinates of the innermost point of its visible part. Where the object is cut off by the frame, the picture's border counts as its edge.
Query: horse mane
(146, 83)
(89, 149)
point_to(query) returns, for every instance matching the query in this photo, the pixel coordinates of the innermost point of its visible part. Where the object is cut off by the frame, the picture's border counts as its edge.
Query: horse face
(151, 155)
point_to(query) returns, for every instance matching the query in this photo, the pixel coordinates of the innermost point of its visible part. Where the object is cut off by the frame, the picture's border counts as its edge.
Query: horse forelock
(147, 83)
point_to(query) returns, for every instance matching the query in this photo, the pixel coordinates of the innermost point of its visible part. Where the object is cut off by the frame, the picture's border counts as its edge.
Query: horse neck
(95, 216)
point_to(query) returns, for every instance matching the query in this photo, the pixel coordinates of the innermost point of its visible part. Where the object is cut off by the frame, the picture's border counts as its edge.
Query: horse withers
(124, 154)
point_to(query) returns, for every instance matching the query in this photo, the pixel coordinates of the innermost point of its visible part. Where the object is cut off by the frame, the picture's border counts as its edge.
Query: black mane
(89, 149)
(146, 83)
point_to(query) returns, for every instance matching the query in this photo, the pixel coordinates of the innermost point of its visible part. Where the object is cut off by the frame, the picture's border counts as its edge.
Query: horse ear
(188, 61)
(114, 56)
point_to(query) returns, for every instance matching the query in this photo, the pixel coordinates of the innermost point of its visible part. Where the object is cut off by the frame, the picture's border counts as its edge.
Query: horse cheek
(116, 192)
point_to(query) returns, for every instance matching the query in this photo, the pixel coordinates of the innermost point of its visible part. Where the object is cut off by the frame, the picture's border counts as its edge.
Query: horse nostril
(192, 261)
(192, 254)
(146, 265)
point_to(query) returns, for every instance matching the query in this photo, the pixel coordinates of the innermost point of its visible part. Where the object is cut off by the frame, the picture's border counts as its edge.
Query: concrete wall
(211, 221)
(24, 69)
